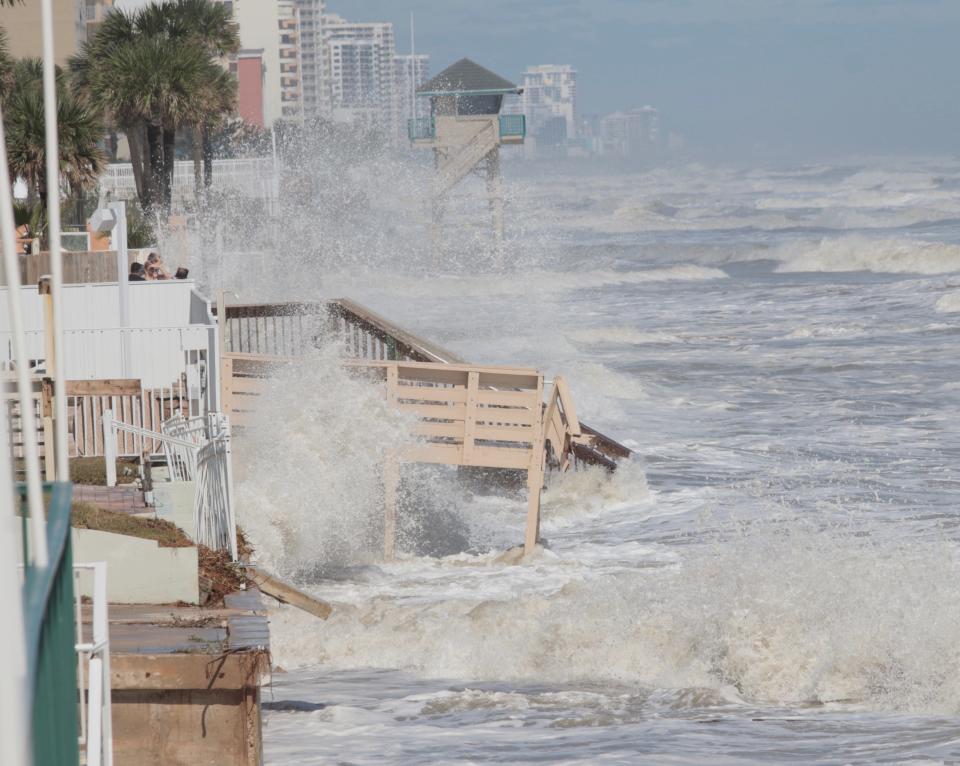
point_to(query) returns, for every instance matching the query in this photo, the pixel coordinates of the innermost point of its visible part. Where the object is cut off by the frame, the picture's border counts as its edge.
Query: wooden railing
(261, 335)
(363, 333)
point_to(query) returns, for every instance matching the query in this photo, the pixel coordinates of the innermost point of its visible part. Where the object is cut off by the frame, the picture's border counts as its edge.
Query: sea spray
(310, 466)
(783, 614)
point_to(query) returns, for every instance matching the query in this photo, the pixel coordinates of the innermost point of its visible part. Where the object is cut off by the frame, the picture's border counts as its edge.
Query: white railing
(254, 177)
(213, 506)
(197, 450)
(96, 718)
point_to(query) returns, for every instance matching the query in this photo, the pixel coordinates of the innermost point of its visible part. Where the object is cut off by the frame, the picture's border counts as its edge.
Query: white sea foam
(859, 253)
(620, 334)
(309, 466)
(793, 615)
(949, 303)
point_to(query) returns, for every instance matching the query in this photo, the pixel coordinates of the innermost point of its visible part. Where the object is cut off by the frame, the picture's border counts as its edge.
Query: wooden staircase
(456, 162)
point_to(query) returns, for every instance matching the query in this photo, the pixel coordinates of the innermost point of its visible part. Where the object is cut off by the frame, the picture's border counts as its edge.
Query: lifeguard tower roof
(466, 77)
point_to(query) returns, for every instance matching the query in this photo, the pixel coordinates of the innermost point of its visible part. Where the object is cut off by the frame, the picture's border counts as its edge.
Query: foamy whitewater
(773, 579)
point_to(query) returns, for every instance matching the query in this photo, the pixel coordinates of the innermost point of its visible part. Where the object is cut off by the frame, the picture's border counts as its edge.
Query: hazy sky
(801, 78)
(788, 78)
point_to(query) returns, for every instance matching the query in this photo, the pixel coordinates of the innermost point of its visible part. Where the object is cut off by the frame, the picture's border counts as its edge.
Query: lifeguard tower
(465, 130)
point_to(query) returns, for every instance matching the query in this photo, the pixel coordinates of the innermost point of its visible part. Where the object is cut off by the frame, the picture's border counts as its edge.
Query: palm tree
(6, 65)
(154, 72)
(79, 132)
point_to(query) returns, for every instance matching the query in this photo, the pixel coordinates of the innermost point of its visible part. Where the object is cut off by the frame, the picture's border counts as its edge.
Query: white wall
(138, 571)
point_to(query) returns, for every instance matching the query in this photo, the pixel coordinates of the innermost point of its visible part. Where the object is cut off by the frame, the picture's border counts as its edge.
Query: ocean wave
(949, 303)
(858, 253)
(794, 616)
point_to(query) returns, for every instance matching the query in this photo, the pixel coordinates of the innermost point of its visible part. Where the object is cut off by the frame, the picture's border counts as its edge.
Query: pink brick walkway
(123, 499)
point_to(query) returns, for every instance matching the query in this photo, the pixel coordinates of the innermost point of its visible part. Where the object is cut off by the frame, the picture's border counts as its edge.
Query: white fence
(197, 450)
(158, 356)
(251, 177)
(96, 719)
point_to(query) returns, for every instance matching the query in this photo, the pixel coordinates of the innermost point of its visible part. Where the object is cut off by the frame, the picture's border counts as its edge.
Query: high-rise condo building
(73, 21)
(271, 28)
(630, 133)
(361, 70)
(314, 78)
(549, 101)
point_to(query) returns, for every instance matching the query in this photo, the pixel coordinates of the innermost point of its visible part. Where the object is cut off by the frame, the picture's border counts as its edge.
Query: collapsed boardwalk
(466, 415)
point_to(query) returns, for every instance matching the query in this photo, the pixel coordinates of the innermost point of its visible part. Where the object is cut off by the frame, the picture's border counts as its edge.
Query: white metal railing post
(98, 723)
(109, 448)
(228, 468)
(53, 237)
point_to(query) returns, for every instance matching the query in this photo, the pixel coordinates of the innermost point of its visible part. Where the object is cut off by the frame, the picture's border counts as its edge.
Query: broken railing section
(464, 415)
(366, 334)
(289, 329)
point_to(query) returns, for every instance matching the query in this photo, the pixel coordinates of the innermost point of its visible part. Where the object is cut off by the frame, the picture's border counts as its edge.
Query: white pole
(413, 72)
(53, 236)
(118, 240)
(14, 719)
(28, 423)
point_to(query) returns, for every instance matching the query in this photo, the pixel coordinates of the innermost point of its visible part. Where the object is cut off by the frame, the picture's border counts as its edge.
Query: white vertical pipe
(14, 719)
(53, 235)
(38, 535)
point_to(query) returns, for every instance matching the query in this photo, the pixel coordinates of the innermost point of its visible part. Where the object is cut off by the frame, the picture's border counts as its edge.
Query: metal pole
(14, 718)
(118, 239)
(53, 235)
(28, 423)
(413, 72)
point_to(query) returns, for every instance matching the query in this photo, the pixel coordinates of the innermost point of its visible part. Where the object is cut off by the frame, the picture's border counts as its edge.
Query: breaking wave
(793, 615)
(949, 303)
(310, 464)
(858, 253)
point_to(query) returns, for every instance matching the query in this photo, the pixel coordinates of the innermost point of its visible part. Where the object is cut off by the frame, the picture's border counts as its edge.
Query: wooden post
(391, 480)
(535, 478)
(391, 477)
(49, 463)
(470, 419)
(495, 198)
(109, 448)
(50, 363)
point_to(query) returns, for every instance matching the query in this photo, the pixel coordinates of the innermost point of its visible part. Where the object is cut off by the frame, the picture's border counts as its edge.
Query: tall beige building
(272, 26)
(71, 21)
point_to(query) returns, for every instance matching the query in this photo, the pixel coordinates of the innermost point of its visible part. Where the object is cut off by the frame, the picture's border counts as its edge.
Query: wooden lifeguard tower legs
(391, 482)
(495, 197)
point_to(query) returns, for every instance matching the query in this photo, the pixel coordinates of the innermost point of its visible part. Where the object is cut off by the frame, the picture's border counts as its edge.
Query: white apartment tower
(410, 72)
(316, 92)
(361, 72)
(549, 101)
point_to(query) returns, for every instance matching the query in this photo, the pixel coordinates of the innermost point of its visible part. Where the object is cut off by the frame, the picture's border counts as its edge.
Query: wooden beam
(104, 387)
(287, 594)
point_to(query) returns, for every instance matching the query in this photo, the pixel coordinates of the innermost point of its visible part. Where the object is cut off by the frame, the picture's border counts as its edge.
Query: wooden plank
(507, 416)
(447, 430)
(287, 594)
(500, 457)
(431, 394)
(444, 454)
(104, 387)
(504, 433)
(437, 411)
(508, 398)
